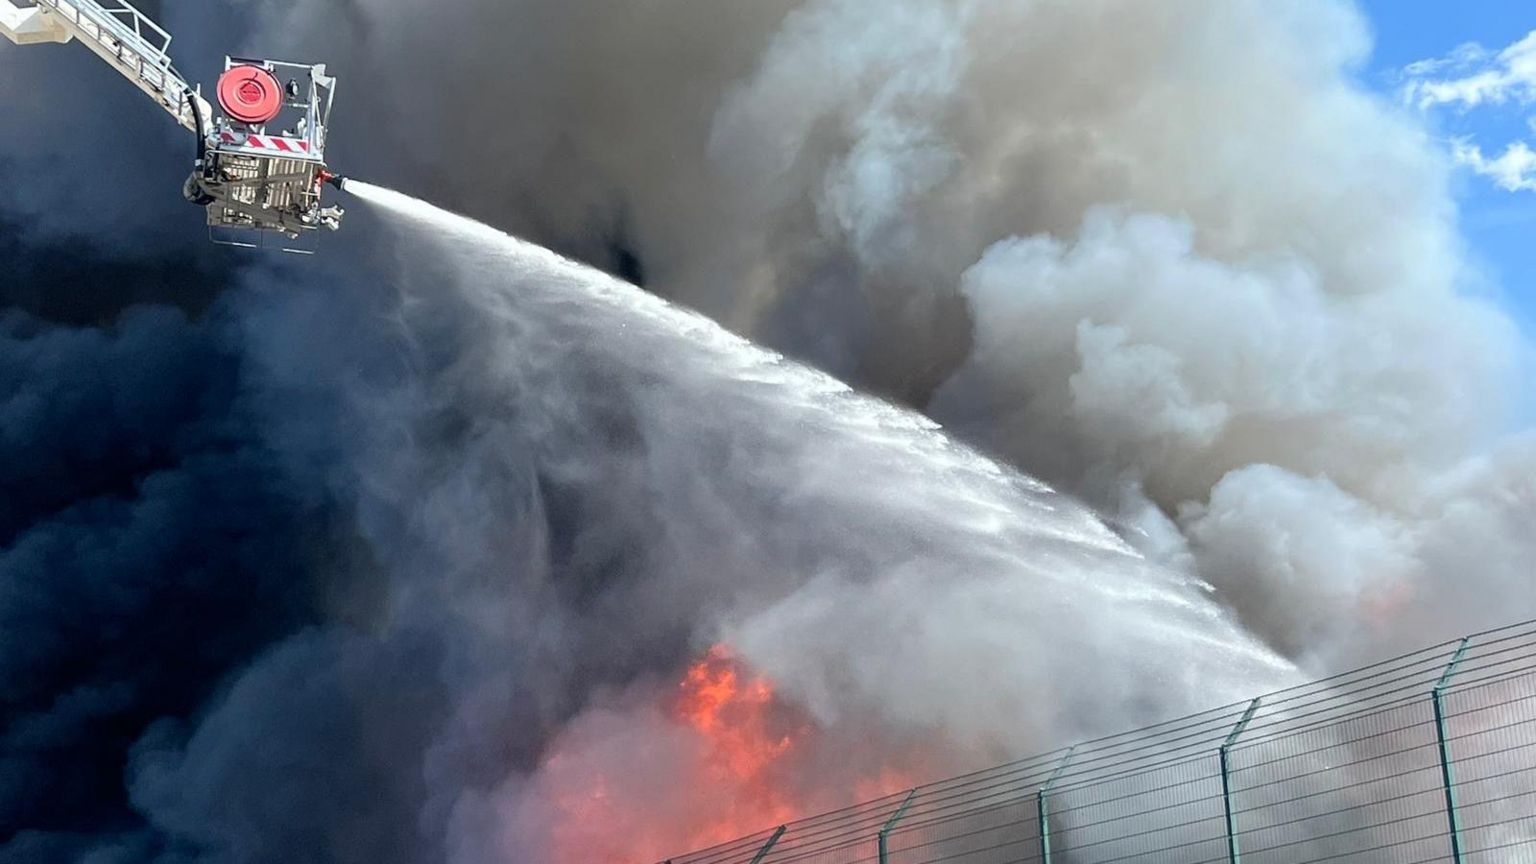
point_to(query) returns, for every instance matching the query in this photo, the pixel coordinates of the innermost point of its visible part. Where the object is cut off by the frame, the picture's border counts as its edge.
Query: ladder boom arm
(120, 34)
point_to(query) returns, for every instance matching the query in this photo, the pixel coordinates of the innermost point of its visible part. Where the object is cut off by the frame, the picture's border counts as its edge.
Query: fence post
(1226, 781)
(1446, 775)
(1043, 810)
(891, 822)
(763, 852)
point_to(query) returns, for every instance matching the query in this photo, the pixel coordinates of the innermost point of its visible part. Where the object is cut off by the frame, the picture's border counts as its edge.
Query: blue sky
(1500, 225)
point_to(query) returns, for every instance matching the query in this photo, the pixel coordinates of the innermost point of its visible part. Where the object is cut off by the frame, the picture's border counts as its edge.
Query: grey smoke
(893, 582)
(1169, 257)
(1143, 252)
(1284, 267)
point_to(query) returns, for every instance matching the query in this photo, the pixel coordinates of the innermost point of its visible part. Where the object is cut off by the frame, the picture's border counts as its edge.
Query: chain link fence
(1430, 757)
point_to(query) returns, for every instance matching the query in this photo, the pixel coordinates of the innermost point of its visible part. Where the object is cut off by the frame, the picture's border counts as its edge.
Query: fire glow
(717, 758)
(731, 709)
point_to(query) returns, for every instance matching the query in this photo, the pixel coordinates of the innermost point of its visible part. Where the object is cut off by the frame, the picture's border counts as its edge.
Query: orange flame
(732, 714)
(742, 759)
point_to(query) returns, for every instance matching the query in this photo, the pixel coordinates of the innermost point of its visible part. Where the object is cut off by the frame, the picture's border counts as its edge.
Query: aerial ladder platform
(260, 162)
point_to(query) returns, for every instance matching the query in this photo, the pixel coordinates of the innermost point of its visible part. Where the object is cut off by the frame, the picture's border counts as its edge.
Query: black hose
(193, 190)
(197, 120)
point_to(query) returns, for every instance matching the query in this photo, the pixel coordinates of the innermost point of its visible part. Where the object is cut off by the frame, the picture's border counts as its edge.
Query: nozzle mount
(336, 180)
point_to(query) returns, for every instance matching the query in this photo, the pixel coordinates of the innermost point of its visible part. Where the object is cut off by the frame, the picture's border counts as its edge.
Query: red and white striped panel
(274, 143)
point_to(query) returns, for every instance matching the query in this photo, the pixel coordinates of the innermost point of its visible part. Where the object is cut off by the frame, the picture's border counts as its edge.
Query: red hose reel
(250, 95)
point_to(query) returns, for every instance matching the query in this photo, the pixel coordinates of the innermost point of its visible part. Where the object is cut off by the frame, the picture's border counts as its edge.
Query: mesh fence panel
(1491, 738)
(969, 832)
(1430, 757)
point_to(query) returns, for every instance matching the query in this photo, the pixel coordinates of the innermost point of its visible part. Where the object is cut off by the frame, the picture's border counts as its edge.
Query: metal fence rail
(1430, 757)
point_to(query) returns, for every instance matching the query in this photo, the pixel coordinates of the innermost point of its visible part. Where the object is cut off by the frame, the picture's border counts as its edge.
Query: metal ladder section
(134, 45)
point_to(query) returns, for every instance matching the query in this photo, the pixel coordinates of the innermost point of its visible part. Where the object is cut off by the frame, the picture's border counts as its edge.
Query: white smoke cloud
(1286, 547)
(1295, 433)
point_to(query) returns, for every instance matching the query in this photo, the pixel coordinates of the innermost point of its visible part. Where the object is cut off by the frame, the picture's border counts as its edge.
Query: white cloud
(1472, 76)
(1514, 170)
(1483, 77)
(1464, 56)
